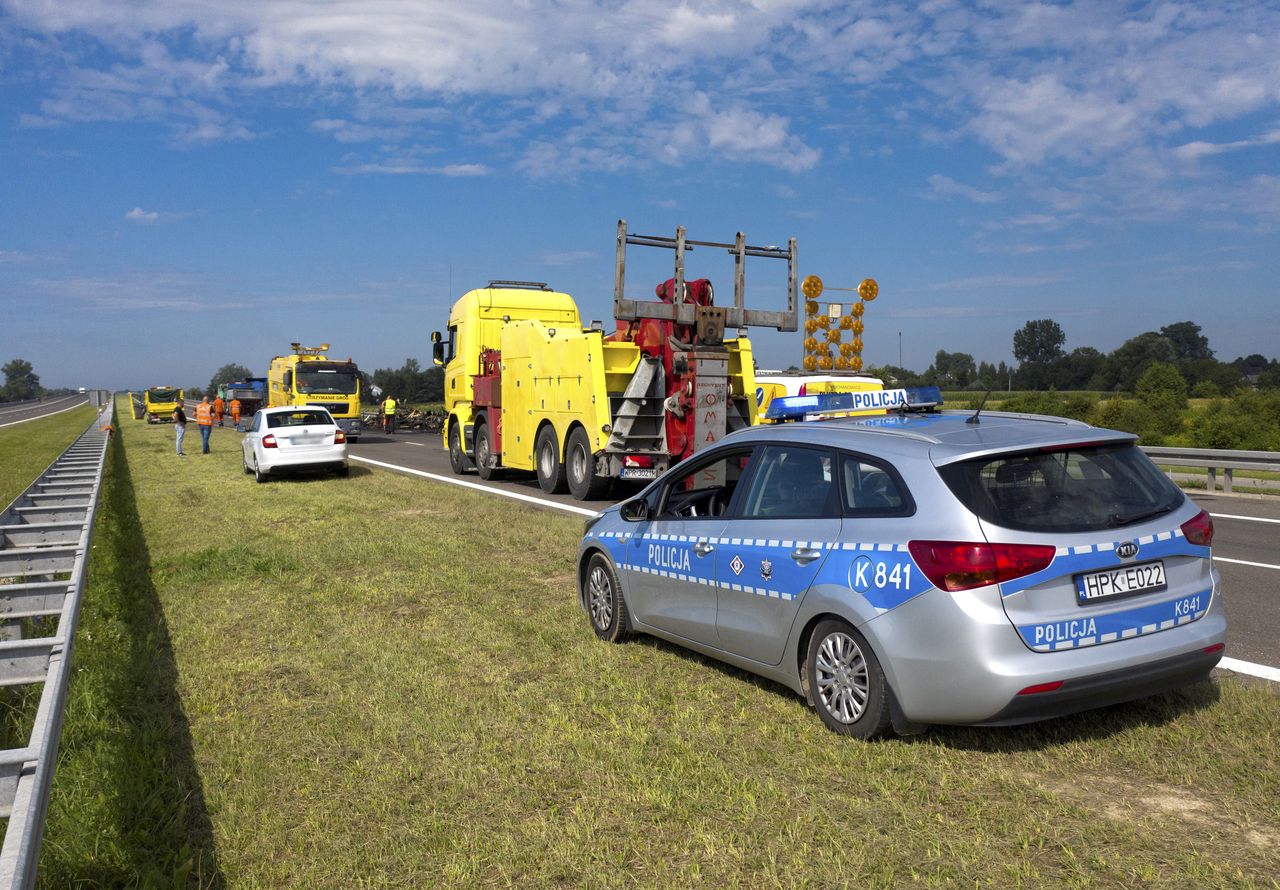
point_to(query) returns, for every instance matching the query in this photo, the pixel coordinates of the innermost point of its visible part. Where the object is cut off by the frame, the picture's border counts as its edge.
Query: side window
(705, 490)
(792, 482)
(872, 489)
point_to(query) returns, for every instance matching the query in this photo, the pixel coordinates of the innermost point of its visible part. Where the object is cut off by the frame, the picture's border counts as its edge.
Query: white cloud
(400, 168)
(143, 217)
(945, 187)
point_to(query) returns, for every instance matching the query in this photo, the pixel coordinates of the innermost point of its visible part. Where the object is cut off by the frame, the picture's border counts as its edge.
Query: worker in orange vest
(235, 413)
(204, 418)
(219, 408)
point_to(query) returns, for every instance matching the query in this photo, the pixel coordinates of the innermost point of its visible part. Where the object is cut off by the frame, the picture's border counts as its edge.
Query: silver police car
(918, 568)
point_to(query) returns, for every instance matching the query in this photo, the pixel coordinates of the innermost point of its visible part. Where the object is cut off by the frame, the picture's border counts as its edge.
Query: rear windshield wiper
(1118, 519)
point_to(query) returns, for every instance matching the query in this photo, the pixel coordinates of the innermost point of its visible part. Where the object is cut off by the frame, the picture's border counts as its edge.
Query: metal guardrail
(44, 550)
(1214, 459)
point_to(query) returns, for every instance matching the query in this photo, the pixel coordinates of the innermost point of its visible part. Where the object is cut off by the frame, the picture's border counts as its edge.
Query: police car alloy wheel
(846, 684)
(604, 601)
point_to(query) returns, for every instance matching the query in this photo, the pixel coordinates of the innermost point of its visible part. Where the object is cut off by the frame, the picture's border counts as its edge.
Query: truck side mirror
(288, 380)
(635, 511)
(437, 348)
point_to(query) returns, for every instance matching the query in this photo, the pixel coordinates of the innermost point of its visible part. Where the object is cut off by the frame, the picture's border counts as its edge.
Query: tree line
(1044, 364)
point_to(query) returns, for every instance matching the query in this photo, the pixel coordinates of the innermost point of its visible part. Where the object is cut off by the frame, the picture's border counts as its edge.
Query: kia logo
(1127, 550)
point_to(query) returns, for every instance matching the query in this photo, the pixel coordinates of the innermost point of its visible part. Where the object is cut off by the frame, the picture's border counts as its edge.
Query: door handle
(805, 555)
(702, 548)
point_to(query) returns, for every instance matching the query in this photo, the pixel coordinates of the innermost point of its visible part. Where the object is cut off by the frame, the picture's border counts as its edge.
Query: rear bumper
(323, 460)
(1109, 688)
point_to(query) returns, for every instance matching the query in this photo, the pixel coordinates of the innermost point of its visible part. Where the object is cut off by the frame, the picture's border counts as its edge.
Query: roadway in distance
(1247, 530)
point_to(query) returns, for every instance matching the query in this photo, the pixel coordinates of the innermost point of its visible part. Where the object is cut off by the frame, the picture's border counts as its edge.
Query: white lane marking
(1245, 562)
(1253, 670)
(1246, 518)
(42, 416)
(477, 487)
(419, 444)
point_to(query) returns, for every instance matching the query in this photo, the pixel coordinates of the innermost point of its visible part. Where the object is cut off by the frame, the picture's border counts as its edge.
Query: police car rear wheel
(846, 685)
(610, 618)
(551, 474)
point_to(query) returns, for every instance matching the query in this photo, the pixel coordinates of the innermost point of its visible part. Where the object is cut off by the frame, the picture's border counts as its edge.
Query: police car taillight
(339, 437)
(1198, 530)
(962, 565)
(269, 441)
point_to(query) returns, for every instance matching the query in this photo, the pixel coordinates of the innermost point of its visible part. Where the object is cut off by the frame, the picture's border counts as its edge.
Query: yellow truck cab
(527, 387)
(309, 377)
(159, 403)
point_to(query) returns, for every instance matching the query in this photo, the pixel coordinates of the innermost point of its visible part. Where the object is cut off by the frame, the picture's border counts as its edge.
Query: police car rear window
(299, 418)
(1073, 489)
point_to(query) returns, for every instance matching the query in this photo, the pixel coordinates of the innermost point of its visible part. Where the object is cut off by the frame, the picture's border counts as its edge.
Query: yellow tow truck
(308, 376)
(159, 403)
(528, 387)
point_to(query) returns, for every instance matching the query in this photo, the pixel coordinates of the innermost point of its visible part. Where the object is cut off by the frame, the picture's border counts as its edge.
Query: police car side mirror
(635, 511)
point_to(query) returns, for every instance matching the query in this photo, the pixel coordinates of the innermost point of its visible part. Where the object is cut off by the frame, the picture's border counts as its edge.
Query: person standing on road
(235, 413)
(204, 419)
(180, 426)
(389, 416)
(219, 409)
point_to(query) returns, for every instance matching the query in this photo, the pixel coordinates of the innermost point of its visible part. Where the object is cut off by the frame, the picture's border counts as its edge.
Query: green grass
(27, 449)
(379, 681)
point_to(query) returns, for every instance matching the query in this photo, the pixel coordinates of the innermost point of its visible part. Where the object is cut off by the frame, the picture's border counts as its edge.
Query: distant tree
(1162, 389)
(952, 370)
(1223, 375)
(228, 374)
(1206, 389)
(1122, 368)
(195, 392)
(1251, 365)
(1075, 369)
(1270, 378)
(1188, 343)
(20, 381)
(1037, 345)
(1038, 342)
(410, 383)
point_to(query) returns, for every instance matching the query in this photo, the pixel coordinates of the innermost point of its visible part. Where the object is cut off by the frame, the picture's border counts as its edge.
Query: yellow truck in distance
(309, 377)
(159, 403)
(528, 387)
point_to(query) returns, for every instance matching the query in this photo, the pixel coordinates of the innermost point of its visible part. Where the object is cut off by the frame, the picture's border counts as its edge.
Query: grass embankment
(378, 681)
(27, 449)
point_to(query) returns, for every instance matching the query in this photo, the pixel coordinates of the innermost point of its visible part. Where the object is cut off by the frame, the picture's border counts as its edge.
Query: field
(381, 682)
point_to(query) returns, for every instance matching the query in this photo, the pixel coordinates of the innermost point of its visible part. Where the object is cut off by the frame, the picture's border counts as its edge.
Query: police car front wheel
(845, 683)
(606, 606)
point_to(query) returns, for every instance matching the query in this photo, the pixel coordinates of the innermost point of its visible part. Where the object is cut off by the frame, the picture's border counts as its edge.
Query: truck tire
(486, 462)
(546, 458)
(585, 484)
(457, 457)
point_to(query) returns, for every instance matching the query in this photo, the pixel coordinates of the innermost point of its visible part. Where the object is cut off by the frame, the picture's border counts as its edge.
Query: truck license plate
(639, 473)
(1142, 578)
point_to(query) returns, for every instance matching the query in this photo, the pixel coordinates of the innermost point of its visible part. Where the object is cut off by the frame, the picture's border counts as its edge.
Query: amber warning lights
(825, 329)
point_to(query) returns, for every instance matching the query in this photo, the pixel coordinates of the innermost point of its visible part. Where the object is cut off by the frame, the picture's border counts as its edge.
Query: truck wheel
(486, 462)
(546, 455)
(584, 482)
(457, 457)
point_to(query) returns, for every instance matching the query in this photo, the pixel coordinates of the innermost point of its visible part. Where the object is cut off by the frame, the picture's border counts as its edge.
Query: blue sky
(185, 184)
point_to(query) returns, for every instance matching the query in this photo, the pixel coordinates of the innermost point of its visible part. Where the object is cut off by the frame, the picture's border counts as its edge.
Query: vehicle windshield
(1075, 489)
(299, 418)
(162, 395)
(324, 380)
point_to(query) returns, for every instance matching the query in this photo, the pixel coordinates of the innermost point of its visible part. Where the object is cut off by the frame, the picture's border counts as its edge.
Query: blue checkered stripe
(694, 577)
(1088, 557)
(1093, 630)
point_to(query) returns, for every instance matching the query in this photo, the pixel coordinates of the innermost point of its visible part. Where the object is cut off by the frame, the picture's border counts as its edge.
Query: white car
(295, 437)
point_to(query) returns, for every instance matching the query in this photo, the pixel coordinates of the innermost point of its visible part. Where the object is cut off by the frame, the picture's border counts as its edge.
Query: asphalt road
(17, 414)
(1247, 530)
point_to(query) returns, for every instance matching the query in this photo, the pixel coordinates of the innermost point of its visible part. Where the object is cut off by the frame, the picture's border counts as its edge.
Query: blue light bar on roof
(798, 407)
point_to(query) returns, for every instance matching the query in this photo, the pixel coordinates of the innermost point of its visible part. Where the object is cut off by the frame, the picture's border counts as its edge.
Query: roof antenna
(974, 418)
